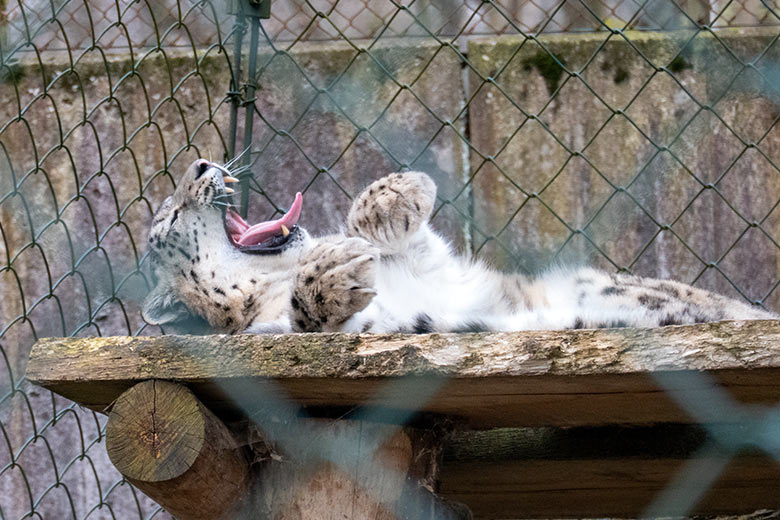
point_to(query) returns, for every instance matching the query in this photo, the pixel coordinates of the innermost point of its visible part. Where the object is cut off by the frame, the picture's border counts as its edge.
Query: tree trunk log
(371, 470)
(170, 446)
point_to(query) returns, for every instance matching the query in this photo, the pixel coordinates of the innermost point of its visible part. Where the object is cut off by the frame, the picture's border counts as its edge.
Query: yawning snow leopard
(388, 271)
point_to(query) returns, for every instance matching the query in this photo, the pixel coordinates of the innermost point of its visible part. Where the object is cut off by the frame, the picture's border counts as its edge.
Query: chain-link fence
(653, 151)
(296, 20)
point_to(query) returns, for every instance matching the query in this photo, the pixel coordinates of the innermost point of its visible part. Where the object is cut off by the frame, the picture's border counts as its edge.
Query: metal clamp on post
(254, 10)
(251, 8)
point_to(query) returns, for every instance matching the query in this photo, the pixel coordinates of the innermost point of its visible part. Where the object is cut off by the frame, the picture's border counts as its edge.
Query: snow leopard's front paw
(335, 280)
(393, 208)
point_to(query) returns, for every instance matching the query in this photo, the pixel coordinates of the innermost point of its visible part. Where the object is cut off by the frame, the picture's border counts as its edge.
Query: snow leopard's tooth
(228, 179)
(285, 231)
(229, 190)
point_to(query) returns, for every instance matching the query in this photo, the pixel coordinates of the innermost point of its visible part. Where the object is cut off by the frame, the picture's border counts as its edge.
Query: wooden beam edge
(535, 378)
(708, 346)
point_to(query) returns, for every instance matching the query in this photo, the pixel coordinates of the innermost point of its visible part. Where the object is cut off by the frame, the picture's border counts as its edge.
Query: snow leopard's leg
(392, 209)
(335, 280)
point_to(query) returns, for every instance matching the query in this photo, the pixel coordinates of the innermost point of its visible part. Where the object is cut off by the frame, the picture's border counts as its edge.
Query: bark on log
(176, 451)
(352, 469)
(534, 378)
(558, 378)
(170, 446)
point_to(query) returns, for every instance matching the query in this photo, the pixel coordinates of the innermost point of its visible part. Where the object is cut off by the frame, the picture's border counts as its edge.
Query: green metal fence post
(254, 10)
(235, 79)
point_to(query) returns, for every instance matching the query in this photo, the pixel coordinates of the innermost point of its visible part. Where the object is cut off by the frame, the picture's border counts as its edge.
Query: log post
(171, 447)
(371, 470)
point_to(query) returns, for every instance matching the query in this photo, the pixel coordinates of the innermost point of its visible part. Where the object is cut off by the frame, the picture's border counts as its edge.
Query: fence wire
(644, 140)
(293, 20)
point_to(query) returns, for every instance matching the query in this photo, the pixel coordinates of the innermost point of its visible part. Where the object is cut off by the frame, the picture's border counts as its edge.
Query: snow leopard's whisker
(228, 164)
(236, 167)
(243, 152)
(236, 158)
(241, 175)
(231, 162)
(225, 203)
(228, 175)
(221, 168)
(241, 170)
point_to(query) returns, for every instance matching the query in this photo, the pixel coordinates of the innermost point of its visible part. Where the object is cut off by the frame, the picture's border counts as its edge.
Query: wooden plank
(535, 378)
(595, 472)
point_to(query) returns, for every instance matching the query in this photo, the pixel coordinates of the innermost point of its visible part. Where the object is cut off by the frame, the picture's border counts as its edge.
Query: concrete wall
(609, 159)
(653, 132)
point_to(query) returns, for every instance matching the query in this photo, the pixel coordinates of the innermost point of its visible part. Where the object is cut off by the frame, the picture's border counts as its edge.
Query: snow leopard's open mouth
(264, 238)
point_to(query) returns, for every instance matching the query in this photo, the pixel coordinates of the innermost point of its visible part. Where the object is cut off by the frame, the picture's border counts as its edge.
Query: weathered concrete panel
(333, 118)
(621, 143)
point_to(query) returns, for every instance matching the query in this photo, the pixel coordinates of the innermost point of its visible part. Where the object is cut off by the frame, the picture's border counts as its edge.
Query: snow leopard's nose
(201, 167)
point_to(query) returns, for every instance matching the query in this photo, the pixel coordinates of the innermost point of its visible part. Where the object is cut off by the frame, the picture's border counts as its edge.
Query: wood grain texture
(155, 431)
(612, 472)
(560, 379)
(377, 471)
(535, 378)
(176, 451)
(164, 441)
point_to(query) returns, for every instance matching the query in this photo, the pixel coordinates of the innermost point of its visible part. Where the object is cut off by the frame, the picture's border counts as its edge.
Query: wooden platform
(597, 472)
(489, 380)
(591, 419)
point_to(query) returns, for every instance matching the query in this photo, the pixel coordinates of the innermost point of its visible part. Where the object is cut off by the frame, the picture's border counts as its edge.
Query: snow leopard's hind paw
(335, 280)
(392, 208)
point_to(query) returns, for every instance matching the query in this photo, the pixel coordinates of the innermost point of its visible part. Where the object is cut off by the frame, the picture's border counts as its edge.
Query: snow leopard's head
(206, 260)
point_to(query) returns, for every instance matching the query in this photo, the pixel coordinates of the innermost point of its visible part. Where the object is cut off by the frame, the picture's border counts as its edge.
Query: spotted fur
(198, 271)
(421, 286)
(388, 271)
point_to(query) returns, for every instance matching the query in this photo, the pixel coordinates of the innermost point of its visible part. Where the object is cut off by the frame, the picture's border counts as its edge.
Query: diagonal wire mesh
(90, 138)
(644, 139)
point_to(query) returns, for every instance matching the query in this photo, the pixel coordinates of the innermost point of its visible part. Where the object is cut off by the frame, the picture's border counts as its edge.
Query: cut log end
(162, 438)
(155, 431)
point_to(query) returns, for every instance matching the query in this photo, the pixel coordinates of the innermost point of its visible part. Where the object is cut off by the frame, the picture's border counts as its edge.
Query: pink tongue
(261, 232)
(235, 224)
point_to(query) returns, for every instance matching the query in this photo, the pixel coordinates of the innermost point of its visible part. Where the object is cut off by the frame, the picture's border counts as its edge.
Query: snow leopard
(386, 271)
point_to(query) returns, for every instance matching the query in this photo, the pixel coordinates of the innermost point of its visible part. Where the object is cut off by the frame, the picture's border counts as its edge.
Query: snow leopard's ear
(162, 307)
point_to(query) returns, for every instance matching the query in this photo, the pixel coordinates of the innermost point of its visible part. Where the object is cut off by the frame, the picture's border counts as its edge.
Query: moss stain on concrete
(679, 64)
(621, 75)
(550, 68)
